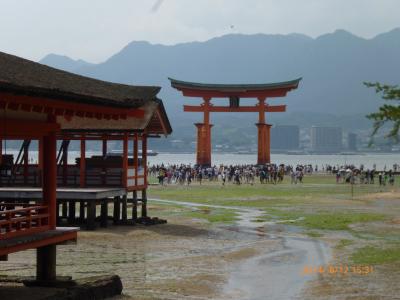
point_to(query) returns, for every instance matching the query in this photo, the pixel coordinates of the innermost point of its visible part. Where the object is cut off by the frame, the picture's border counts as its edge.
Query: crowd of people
(271, 173)
(353, 175)
(236, 174)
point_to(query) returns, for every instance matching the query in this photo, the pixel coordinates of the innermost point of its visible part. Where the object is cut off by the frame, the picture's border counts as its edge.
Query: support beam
(64, 209)
(46, 263)
(82, 169)
(71, 212)
(4, 257)
(144, 203)
(104, 213)
(81, 212)
(125, 161)
(117, 210)
(91, 215)
(124, 216)
(267, 108)
(144, 157)
(134, 206)
(278, 92)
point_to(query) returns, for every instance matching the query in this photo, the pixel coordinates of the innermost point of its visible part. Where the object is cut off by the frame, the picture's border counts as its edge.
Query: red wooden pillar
(264, 136)
(125, 160)
(204, 136)
(82, 169)
(104, 169)
(144, 157)
(26, 163)
(65, 164)
(122, 202)
(268, 142)
(136, 157)
(46, 256)
(203, 144)
(49, 182)
(40, 160)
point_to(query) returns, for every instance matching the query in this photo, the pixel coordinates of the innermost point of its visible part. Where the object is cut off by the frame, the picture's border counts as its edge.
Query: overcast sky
(95, 29)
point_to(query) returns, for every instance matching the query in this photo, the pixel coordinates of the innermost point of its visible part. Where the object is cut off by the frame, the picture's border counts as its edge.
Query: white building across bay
(326, 139)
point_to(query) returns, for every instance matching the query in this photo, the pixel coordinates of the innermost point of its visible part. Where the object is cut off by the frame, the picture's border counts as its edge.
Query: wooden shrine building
(46, 105)
(234, 92)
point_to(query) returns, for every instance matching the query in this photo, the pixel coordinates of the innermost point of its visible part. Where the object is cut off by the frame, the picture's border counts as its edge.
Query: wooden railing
(70, 177)
(30, 178)
(136, 178)
(22, 221)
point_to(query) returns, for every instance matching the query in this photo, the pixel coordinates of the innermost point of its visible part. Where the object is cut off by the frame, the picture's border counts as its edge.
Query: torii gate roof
(194, 89)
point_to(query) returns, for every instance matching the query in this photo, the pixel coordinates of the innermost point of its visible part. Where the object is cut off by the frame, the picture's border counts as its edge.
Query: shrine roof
(22, 76)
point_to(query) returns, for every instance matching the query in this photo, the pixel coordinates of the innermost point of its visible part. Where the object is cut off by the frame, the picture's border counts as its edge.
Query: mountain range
(333, 67)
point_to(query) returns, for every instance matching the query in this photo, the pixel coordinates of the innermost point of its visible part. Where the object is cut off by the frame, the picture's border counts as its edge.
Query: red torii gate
(234, 92)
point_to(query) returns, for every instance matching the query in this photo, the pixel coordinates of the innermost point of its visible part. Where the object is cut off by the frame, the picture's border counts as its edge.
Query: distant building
(326, 139)
(352, 141)
(285, 137)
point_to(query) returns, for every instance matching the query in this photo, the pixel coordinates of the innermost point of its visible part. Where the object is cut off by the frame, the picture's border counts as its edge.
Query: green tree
(388, 113)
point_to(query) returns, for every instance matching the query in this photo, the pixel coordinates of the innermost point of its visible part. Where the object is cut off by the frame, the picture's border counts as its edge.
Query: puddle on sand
(275, 274)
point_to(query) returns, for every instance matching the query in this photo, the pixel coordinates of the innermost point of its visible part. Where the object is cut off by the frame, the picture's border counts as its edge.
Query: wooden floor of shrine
(36, 240)
(62, 193)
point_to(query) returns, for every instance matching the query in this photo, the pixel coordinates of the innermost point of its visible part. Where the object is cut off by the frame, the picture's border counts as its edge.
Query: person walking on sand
(200, 176)
(237, 177)
(223, 177)
(293, 177)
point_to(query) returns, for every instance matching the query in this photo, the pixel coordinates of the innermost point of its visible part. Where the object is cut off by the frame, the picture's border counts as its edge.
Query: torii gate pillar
(264, 135)
(264, 143)
(204, 136)
(203, 144)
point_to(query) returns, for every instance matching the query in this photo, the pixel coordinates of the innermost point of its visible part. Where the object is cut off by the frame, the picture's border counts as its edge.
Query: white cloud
(96, 29)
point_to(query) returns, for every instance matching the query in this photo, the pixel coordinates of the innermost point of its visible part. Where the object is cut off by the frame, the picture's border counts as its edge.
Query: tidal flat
(247, 242)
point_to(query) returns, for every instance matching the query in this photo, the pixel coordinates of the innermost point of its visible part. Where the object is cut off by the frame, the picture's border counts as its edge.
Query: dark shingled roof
(234, 87)
(23, 76)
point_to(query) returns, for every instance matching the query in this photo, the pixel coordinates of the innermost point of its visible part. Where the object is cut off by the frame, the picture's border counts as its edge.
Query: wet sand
(270, 273)
(183, 259)
(191, 259)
